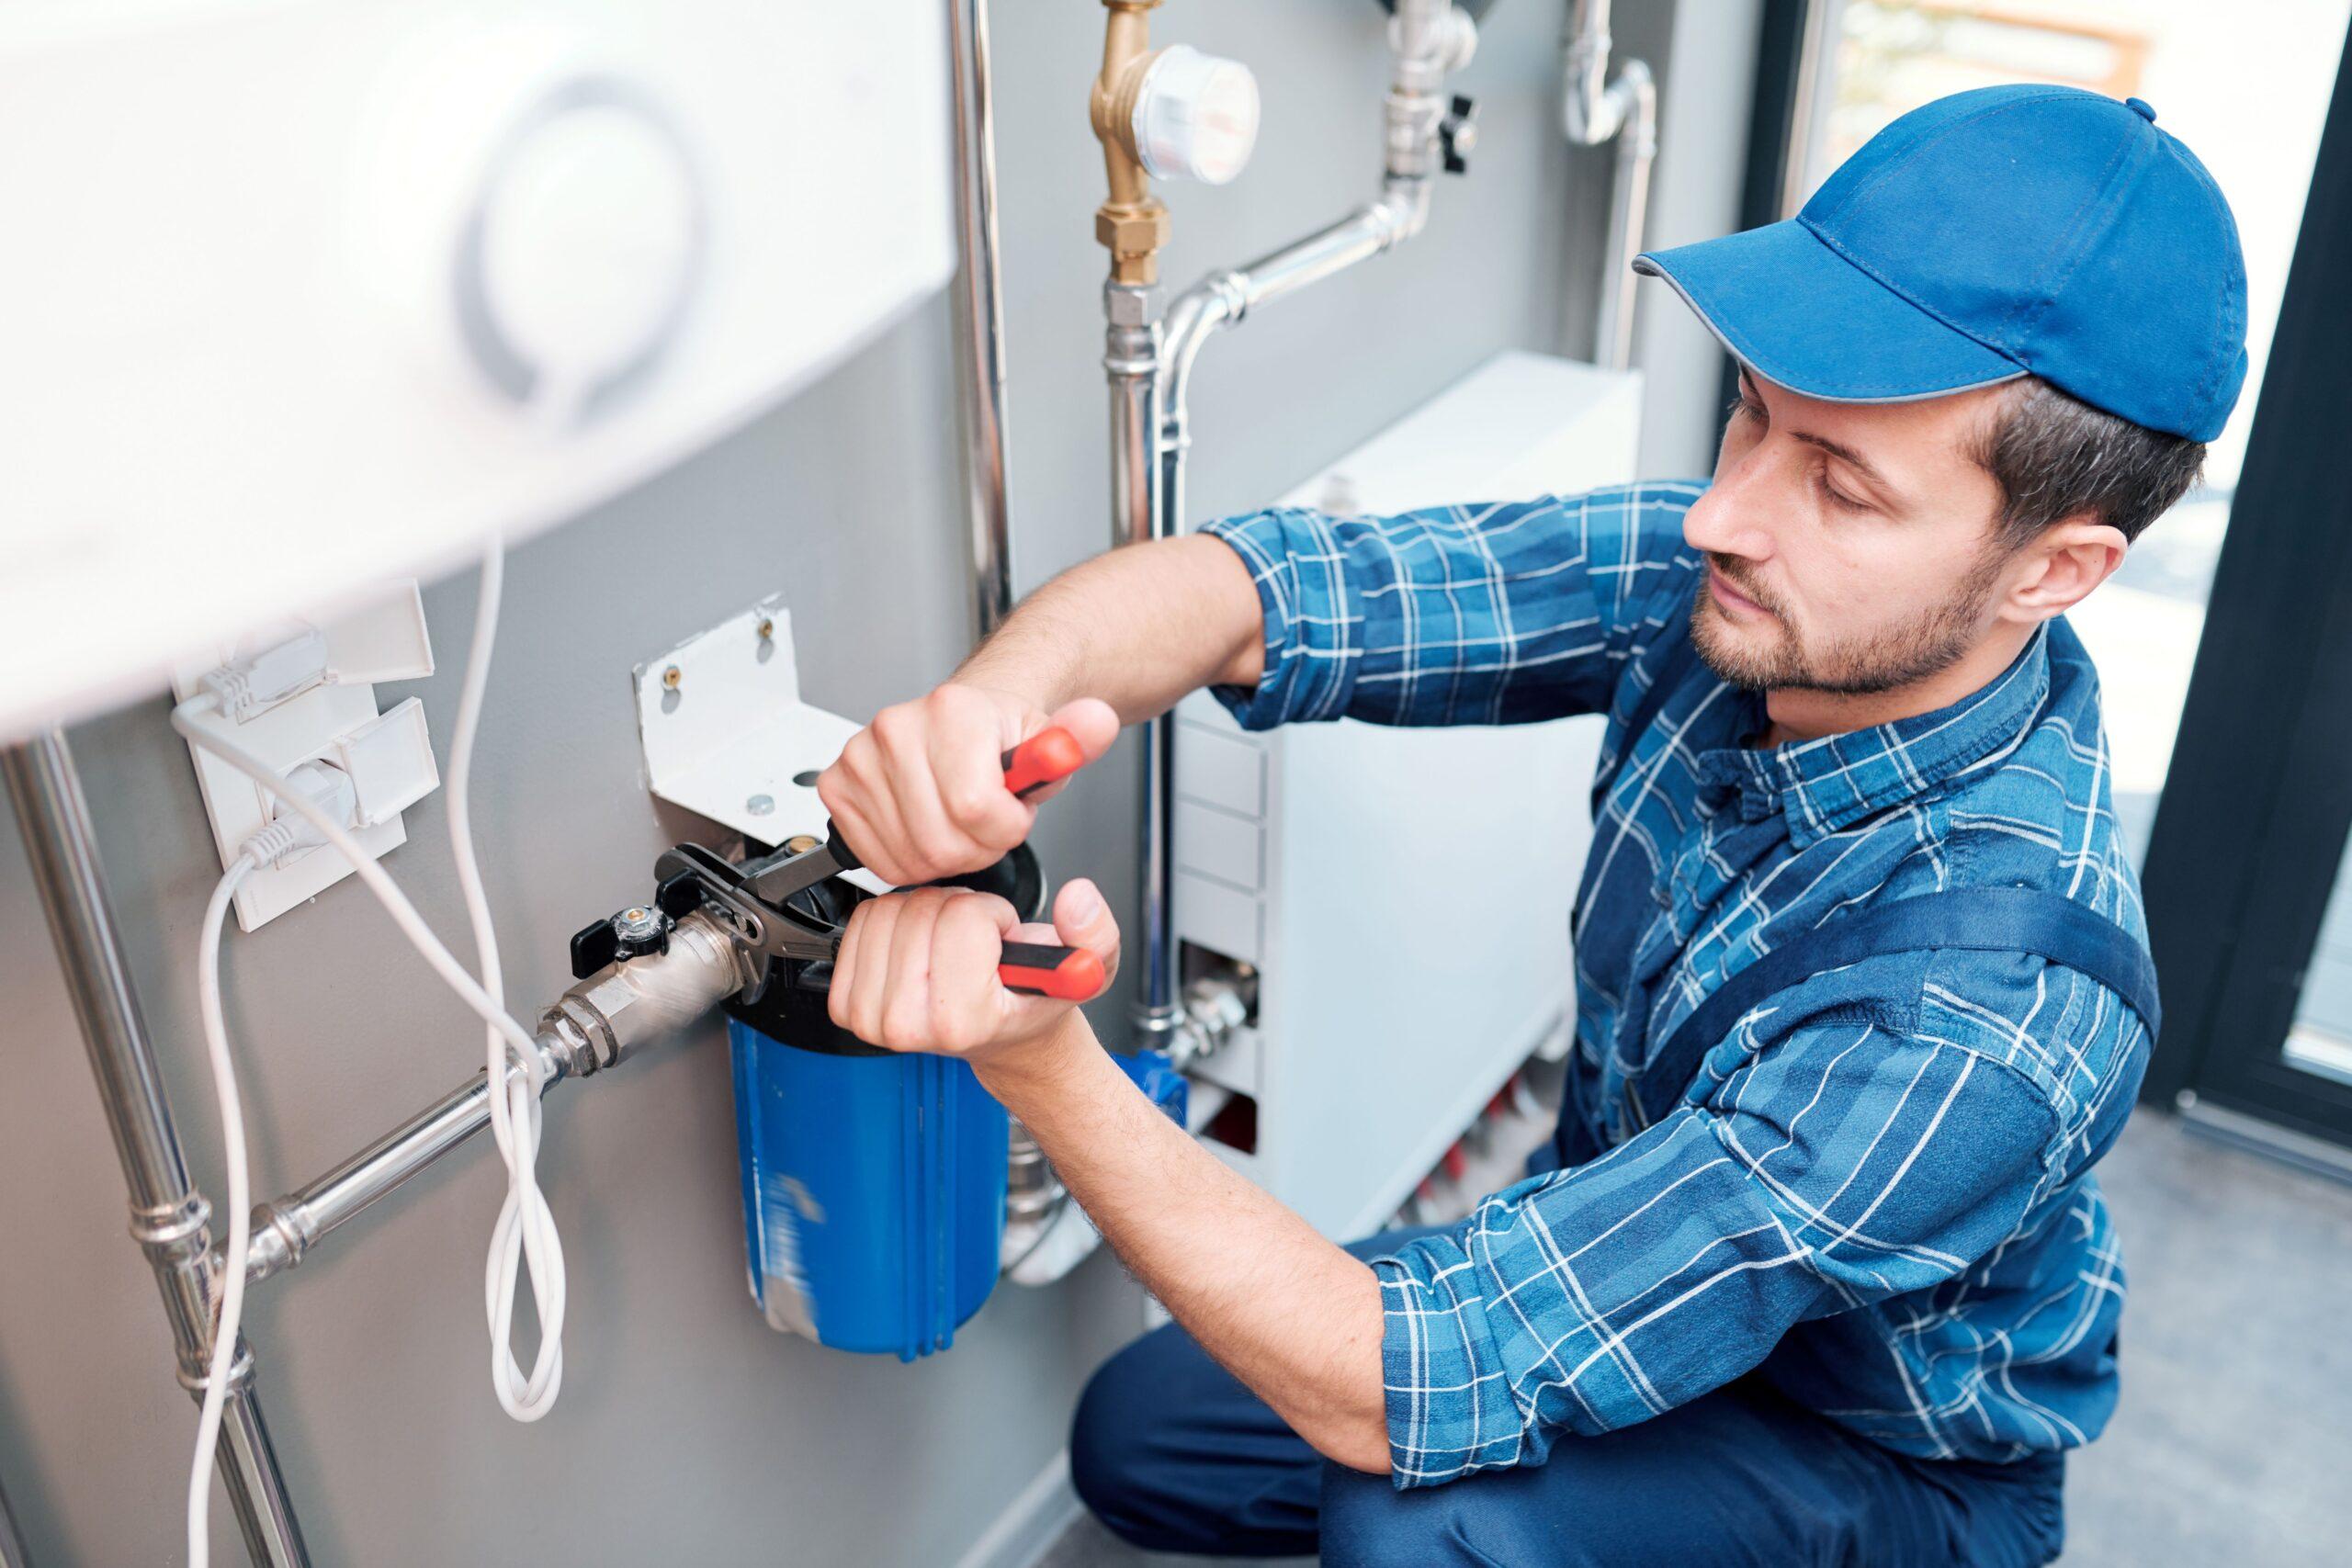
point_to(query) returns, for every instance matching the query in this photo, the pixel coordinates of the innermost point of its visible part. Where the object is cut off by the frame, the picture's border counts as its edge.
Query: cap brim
(1803, 317)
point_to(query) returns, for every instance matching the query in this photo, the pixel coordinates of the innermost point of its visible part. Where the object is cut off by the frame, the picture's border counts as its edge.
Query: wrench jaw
(768, 931)
(803, 930)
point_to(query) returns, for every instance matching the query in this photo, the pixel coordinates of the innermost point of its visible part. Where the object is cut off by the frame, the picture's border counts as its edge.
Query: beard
(1781, 656)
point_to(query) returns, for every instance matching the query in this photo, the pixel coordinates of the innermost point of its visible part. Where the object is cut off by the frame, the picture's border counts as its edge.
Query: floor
(2233, 1442)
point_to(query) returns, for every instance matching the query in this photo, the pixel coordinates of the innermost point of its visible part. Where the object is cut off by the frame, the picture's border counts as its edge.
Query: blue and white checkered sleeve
(1845, 1165)
(1499, 613)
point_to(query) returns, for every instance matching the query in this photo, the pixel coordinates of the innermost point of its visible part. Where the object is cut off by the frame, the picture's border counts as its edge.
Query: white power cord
(526, 1231)
(240, 1201)
(330, 789)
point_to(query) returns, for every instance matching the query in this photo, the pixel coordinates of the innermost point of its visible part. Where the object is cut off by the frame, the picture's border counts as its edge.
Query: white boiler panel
(299, 297)
(1402, 894)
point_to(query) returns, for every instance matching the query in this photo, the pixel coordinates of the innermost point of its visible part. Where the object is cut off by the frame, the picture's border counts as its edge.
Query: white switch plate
(381, 639)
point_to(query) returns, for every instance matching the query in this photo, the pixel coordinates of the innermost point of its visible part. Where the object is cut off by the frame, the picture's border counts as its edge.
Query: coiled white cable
(525, 1227)
(526, 1231)
(240, 1201)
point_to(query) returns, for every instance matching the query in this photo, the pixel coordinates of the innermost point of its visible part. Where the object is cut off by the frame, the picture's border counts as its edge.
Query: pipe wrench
(756, 894)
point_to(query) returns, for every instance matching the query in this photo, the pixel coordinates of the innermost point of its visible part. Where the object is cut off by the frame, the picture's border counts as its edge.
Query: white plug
(246, 686)
(290, 835)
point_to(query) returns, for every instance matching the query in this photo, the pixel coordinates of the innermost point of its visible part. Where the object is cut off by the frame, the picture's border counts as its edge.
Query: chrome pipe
(1586, 110)
(1131, 347)
(284, 1229)
(264, 1514)
(1157, 1015)
(1131, 358)
(592, 1026)
(980, 343)
(1629, 200)
(168, 1216)
(1360, 236)
(12, 1544)
(1222, 300)
(1428, 40)
(1205, 309)
(1593, 110)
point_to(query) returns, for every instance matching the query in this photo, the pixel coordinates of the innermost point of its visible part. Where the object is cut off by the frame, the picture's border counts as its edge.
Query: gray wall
(687, 1431)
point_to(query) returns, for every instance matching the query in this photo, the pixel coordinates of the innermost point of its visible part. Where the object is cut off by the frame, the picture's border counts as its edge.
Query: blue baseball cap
(1995, 233)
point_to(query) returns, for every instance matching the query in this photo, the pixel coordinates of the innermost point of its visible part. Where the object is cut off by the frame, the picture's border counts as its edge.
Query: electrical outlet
(388, 755)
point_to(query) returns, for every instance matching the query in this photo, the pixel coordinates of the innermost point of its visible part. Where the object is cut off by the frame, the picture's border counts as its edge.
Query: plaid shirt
(1875, 1193)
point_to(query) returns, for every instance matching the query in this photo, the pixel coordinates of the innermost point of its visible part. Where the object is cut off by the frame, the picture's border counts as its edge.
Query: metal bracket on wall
(725, 733)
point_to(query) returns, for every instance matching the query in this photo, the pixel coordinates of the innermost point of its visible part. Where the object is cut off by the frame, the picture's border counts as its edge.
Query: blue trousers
(1173, 1454)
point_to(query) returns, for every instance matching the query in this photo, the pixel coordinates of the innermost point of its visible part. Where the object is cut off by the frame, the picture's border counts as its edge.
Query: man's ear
(2068, 559)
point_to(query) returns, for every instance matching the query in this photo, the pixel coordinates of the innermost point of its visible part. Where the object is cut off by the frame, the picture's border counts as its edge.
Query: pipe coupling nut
(1133, 230)
(1130, 304)
(591, 1019)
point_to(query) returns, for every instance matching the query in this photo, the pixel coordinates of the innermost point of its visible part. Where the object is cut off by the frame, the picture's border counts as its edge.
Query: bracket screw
(672, 676)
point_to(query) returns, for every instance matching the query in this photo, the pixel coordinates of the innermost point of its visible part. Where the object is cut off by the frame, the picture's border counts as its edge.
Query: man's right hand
(920, 793)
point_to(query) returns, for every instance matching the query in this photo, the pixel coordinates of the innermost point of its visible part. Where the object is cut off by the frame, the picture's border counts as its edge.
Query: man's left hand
(918, 970)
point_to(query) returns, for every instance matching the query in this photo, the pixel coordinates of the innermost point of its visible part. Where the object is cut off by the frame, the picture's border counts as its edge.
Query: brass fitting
(1131, 223)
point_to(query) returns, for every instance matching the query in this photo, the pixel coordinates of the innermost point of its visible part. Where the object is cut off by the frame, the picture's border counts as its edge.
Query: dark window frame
(2258, 799)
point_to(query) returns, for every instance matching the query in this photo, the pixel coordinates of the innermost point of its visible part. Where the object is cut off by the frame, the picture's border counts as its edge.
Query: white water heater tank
(300, 296)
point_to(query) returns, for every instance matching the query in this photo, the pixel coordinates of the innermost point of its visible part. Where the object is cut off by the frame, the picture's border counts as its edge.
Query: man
(1822, 1277)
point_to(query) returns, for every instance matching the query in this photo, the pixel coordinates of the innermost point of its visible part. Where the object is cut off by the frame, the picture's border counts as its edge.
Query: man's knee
(1172, 1454)
(1110, 1463)
(1504, 1516)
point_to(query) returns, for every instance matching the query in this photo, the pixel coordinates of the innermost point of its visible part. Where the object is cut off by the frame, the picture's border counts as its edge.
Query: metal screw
(800, 843)
(759, 805)
(636, 924)
(768, 628)
(672, 676)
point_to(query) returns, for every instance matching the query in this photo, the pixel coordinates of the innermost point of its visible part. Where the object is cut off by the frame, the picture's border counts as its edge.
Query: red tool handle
(1036, 968)
(1041, 969)
(1044, 758)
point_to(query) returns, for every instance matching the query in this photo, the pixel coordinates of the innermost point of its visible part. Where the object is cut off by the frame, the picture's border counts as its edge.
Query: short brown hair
(2054, 456)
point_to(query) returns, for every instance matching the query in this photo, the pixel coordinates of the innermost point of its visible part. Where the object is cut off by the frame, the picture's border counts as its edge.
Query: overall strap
(1672, 667)
(1675, 637)
(1973, 920)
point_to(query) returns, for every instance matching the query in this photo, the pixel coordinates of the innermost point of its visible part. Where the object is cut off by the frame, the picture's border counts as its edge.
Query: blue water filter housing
(873, 1190)
(873, 1180)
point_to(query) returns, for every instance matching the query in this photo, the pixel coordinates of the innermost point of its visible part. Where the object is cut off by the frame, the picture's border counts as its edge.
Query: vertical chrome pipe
(1593, 110)
(1131, 362)
(12, 1544)
(257, 1485)
(168, 1216)
(981, 343)
(1629, 200)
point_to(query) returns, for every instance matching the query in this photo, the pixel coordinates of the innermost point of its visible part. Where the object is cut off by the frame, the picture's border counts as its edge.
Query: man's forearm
(1139, 628)
(1286, 1312)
